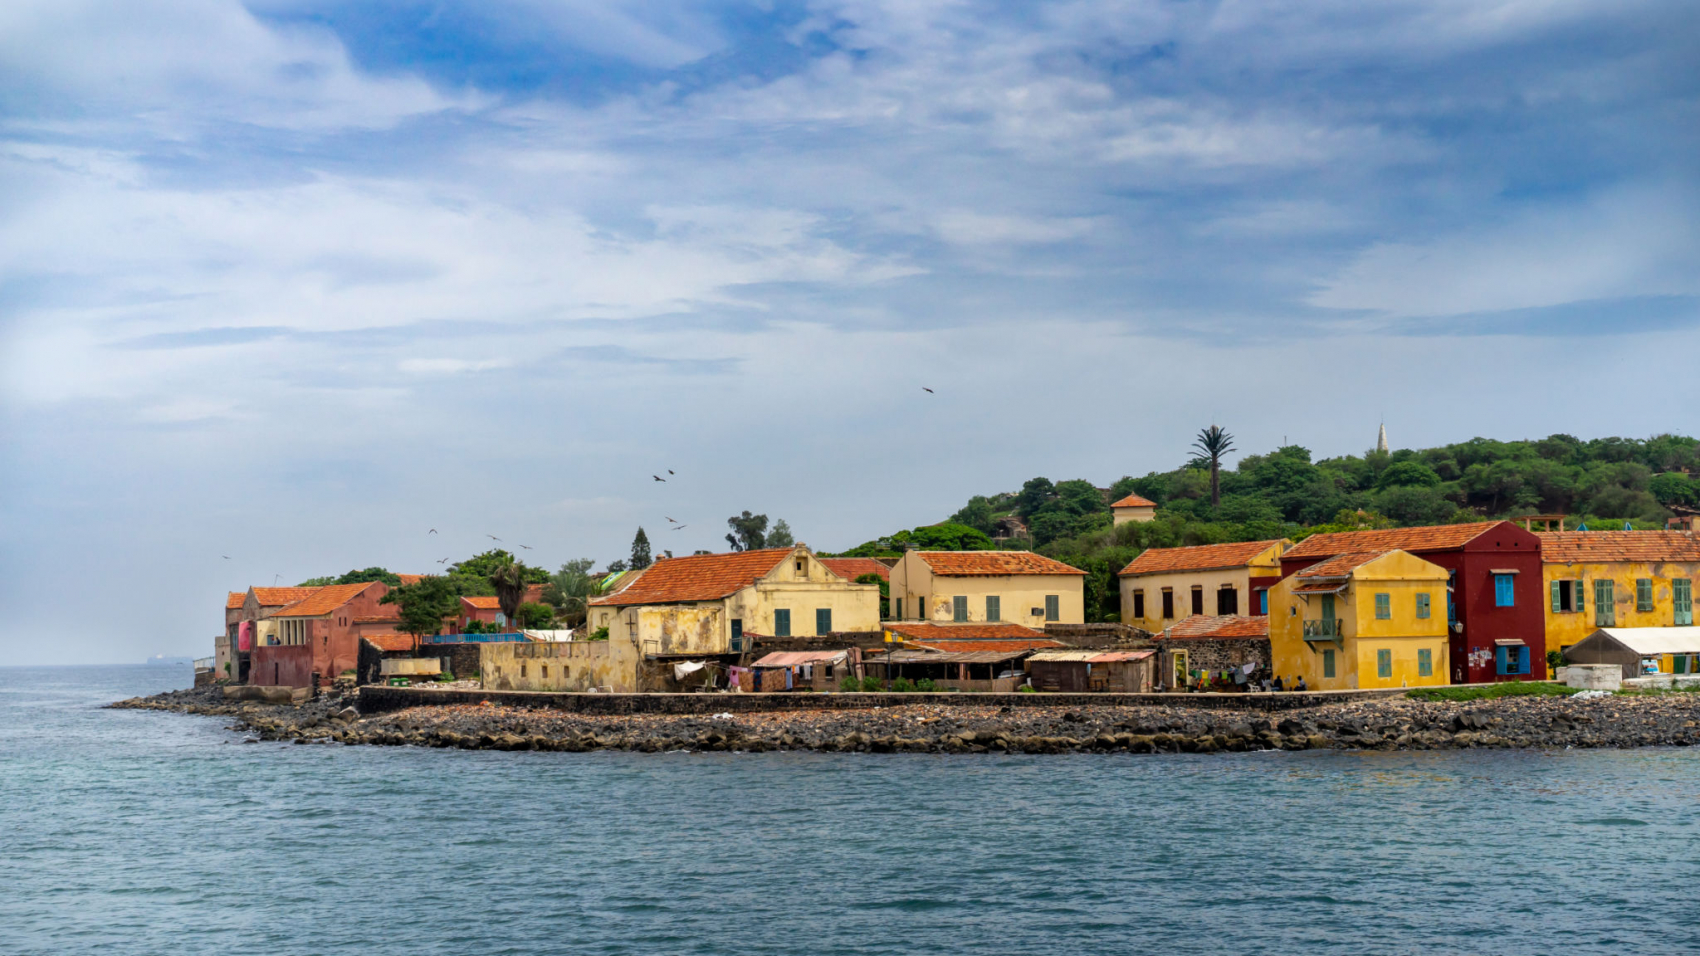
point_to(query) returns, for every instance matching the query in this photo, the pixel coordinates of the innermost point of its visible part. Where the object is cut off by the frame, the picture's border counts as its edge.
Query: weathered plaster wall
(565, 666)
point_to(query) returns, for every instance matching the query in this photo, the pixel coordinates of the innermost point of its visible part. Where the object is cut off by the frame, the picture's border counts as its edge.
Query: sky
(285, 284)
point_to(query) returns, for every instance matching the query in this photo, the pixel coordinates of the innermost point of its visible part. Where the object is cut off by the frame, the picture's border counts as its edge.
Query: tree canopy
(749, 532)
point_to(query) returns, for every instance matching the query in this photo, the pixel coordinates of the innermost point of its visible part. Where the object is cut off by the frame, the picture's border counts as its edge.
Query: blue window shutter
(1263, 601)
(1504, 590)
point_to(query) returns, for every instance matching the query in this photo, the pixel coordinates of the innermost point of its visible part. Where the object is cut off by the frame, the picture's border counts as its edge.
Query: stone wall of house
(1097, 635)
(1219, 655)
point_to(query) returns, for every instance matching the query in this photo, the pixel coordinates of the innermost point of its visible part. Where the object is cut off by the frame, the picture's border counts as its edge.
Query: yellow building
(1133, 508)
(1165, 585)
(962, 586)
(705, 604)
(1369, 619)
(1626, 579)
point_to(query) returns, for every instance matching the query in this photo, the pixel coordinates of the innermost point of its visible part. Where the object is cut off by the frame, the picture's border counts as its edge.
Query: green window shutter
(1425, 662)
(1422, 607)
(1555, 607)
(994, 608)
(1643, 594)
(1383, 607)
(1576, 591)
(1053, 607)
(782, 623)
(1384, 664)
(1327, 663)
(959, 608)
(1682, 601)
(823, 620)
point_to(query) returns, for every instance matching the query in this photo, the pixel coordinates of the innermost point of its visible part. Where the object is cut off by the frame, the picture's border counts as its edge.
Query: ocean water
(145, 832)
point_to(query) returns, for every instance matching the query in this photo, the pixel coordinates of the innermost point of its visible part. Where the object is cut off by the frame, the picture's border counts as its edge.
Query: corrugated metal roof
(1117, 657)
(1069, 655)
(799, 658)
(1648, 641)
(960, 657)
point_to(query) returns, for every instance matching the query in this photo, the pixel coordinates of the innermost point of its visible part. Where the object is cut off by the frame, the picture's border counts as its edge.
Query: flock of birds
(676, 525)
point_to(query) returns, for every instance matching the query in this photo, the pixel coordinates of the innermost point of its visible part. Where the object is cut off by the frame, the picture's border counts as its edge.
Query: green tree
(423, 605)
(1405, 473)
(1035, 494)
(977, 514)
(640, 551)
(571, 589)
(534, 616)
(510, 581)
(780, 536)
(1212, 443)
(749, 532)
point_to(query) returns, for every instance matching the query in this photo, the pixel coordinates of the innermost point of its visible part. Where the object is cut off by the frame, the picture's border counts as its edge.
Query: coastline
(1614, 721)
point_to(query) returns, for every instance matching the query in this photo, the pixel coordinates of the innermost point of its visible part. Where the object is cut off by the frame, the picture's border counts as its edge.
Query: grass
(1516, 688)
(1657, 691)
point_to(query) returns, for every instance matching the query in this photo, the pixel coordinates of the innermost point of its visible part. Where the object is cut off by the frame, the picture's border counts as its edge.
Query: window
(1227, 601)
(1643, 594)
(1605, 606)
(1679, 664)
(1504, 590)
(1328, 663)
(1139, 603)
(522, 670)
(1682, 601)
(1053, 607)
(782, 623)
(1168, 603)
(1512, 659)
(1423, 606)
(1384, 664)
(737, 634)
(544, 671)
(1566, 596)
(1451, 600)
(897, 609)
(1263, 600)
(800, 569)
(959, 608)
(994, 608)
(1425, 661)
(823, 620)
(1198, 599)
(1384, 607)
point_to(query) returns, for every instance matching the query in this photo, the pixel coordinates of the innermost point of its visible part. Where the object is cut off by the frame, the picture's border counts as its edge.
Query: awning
(800, 658)
(1509, 642)
(1502, 570)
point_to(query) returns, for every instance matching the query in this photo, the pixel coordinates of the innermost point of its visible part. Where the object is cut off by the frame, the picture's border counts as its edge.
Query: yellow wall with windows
(912, 581)
(1400, 576)
(1567, 627)
(1266, 564)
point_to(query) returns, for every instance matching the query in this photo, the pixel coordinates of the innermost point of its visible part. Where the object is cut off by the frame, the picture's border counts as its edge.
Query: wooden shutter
(1576, 599)
(1555, 607)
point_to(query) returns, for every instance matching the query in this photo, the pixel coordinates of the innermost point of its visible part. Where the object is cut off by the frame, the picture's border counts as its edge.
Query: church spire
(1381, 440)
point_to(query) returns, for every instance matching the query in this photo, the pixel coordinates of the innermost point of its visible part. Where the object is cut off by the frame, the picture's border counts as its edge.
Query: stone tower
(1381, 440)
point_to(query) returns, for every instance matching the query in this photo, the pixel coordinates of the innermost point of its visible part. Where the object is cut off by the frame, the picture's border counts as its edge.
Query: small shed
(992, 671)
(1089, 671)
(795, 670)
(1640, 650)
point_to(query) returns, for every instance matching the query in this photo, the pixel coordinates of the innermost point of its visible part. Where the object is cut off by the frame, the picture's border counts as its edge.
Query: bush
(871, 685)
(600, 634)
(445, 677)
(903, 685)
(850, 684)
(926, 686)
(1026, 689)
(1516, 688)
(535, 616)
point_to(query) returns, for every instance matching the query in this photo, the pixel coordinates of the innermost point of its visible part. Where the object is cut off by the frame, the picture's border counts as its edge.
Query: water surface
(145, 832)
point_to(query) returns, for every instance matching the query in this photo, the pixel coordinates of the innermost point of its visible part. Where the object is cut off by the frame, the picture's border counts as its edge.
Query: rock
(348, 715)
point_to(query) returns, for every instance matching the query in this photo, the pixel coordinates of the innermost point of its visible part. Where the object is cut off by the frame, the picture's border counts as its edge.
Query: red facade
(1480, 622)
(282, 665)
(335, 618)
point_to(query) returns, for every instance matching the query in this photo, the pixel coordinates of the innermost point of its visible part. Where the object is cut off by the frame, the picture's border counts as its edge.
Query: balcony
(1324, 630)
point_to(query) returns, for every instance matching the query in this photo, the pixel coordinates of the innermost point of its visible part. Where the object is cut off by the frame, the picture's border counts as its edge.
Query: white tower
(1381, 440)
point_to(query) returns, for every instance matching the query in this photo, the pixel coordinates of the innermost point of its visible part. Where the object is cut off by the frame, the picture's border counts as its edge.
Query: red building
(1494, 598)
(319, 635)
(488, 609)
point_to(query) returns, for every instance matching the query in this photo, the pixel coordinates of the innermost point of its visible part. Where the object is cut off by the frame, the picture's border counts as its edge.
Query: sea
(157, 833)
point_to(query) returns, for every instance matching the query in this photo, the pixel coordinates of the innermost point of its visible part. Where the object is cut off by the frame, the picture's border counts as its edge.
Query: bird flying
(659, 478)
(680, 528)
(444, 561)
(669, 471)
(432, 531)
(671, 520)
(225, 557)
(927, 390)
(526, 547)
(492, 537)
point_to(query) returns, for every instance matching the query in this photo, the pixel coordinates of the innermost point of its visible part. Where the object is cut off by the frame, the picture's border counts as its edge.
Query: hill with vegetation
(1604, 482)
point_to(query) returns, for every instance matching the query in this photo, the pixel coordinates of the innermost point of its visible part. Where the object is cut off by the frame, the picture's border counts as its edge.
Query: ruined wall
(1218, 655)
(565, 666)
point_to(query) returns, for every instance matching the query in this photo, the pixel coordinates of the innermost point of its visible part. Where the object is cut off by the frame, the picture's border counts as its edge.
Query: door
(1328, 615)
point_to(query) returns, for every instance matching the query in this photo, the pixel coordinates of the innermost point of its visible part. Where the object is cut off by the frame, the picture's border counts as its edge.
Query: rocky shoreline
(1617, 721)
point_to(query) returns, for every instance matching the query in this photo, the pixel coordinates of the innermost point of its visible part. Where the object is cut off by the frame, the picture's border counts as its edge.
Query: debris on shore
(1380, 724)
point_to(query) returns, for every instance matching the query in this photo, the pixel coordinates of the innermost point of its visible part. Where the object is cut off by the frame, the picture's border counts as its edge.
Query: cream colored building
(1133, 508)
(707, 604)
(962, 586)
(1165, 585)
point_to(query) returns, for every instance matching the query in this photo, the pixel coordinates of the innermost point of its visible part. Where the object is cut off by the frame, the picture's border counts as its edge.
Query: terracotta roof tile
(923, 631)
(233, 600)
(1340, 565)
(1134, 501)
(971, 647)
(407, 579)
(278, 597)
(482, 602)
(1203, 557)
(325, 600)
(1440, 537)
(700, 577)
(992, 563)
(1587, 547)
(852, 568)
(392, 642)
(1224, 627)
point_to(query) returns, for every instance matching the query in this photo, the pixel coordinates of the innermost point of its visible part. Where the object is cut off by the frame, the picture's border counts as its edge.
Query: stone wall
(837, 640)
(1218, 655)
(378, 700)
(1097, 635)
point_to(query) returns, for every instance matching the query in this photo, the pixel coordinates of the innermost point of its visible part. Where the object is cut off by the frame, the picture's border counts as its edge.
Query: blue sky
(294, 282)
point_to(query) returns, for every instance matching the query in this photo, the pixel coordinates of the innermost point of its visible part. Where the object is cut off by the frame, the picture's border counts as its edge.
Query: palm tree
(1212, 444)
(508, 578)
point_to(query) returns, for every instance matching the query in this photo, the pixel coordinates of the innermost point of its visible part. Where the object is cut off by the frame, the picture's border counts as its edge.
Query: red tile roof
(1134, 501)
(534, 593)
(1340, 565)
(700, 577)
(407, 579)
(325, 600)
(970, 647)
(1585, 547)
(1441, 537)
(482, 602)
(852, 568)
(392, 642)
(233, 600)
(922, 631)
(952, 564)
(278, 597)
(1203, 557)
(1225, 627)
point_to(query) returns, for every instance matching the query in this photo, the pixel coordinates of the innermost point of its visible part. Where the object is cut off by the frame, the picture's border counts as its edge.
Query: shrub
(926, 686)
(1516, 688)
(850, 684)
(600, 634)
(1026, 689)
(445, 677)
(903, 685)
(871, 684)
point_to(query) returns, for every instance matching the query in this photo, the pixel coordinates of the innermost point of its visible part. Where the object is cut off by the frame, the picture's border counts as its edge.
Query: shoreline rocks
(1381, 724)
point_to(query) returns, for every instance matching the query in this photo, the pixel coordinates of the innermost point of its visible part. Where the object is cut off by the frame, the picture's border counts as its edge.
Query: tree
(571, 589)
(977, 514)
(749, 532)
(780, 536)
(509, 580)
(640, 551)
(535, 616)
(355, 577)
(424, 605)
(1212, 444)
